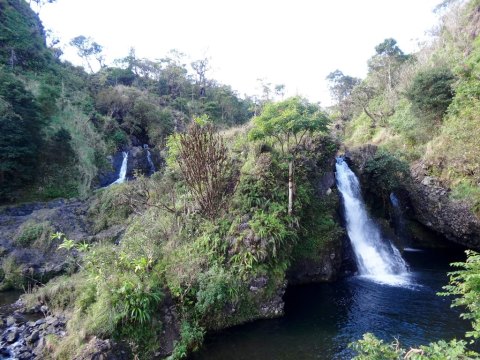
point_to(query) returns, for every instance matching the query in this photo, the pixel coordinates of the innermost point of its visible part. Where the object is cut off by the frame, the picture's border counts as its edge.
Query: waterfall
(398, 219)
(123, 169)
(377, 258)
(151, 165)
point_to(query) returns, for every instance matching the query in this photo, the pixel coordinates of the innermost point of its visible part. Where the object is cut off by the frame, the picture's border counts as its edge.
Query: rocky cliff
(429, 201)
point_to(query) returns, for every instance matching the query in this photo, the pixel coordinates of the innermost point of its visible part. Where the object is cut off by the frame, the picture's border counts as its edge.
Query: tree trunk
(290, 187)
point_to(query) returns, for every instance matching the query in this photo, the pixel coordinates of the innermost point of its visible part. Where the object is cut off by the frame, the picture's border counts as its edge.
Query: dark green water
(321, 320)
(9, 297)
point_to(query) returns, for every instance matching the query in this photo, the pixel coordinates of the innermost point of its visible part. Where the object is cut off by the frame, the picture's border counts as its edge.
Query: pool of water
(322, 319)
(9, 297)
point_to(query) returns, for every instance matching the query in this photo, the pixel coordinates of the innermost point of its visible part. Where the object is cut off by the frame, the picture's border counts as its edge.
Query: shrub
(431, 92)
(33, 232)
(386, 173)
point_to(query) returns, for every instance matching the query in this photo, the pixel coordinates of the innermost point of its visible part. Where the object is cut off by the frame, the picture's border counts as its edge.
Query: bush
(30, 232)
(431, 92)
(386, 173)
(11, 274)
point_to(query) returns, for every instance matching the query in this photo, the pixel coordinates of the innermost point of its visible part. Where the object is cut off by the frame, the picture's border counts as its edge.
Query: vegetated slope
(59, 123)
(207, 240)
(423, 108)
(192, 261)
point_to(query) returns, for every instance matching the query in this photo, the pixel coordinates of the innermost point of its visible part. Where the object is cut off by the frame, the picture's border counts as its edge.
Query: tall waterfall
(123, 169)
(377, 258)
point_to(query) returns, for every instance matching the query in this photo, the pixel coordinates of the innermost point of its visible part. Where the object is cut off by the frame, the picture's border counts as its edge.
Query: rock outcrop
(430, 201)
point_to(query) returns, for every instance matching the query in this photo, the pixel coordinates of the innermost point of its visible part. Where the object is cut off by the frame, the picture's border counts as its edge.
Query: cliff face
(435, 209)
(429, 201)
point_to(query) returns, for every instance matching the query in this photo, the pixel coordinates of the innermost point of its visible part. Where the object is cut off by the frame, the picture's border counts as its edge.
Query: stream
(322, 319)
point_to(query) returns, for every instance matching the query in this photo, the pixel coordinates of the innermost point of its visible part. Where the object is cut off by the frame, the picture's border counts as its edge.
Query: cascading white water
(377, 258)
(123, 169)
(151, 165)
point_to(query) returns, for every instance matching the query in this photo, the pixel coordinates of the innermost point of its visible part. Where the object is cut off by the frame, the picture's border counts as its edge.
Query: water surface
(322, 319)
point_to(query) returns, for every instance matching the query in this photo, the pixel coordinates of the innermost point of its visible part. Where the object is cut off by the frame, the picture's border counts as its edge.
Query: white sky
(296, 43)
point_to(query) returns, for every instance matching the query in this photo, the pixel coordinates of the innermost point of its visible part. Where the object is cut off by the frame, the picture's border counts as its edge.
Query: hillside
(146, 205)
(72, 120)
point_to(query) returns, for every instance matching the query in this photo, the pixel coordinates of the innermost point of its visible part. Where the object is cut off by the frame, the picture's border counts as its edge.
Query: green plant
(31, 231)
(191, 337)
(386, 173)
(431, 92)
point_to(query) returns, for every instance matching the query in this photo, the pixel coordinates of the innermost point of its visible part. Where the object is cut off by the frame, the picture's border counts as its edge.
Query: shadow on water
(322, 319)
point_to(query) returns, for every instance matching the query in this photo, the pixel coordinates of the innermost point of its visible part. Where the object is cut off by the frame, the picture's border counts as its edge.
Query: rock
(98, 349)
(12, 335)
(34, 336)
(4, 353)
(40, 346)
(11, 321)
(430, 201)
(137, 161)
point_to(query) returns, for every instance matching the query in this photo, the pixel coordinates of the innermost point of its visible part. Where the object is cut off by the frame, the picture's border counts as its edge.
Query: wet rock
(98, 349)
(431, 204)
(11, 336)
(11, 321)
(34, 336)
(137, 162)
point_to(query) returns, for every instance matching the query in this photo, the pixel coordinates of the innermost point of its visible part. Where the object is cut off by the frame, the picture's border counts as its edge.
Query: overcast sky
(292, 42)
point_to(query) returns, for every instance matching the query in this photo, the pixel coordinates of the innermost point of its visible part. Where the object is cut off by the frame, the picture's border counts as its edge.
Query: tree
(201, 67)
(341, 87)
(86, 48)
(386, 62)
(20, 133)
(288, 122)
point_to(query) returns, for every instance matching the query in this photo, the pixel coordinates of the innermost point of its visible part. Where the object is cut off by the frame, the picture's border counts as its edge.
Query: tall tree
(341, 87)
(386, 63)
(87, 48)
(20, 134)
(288, 122)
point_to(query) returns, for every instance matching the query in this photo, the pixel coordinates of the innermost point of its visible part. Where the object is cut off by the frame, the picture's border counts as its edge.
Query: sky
(292, 42)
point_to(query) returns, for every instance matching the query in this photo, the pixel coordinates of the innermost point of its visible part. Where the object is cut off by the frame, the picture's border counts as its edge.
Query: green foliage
(22, 38)
(288, 122)
(431, 92)
(465, 283)
(217, 287)
(20, 134)
(11, 274)
(109, 207)
(319, 229)
(371, 348)
(386, 173)
(469, 192)
(33, 233)
(191, 335)
(360, 130)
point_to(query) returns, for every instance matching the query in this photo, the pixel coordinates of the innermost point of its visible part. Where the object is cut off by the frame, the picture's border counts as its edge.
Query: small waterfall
(398, 219)
(377, 258)
(151, 165)
(123, 169)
